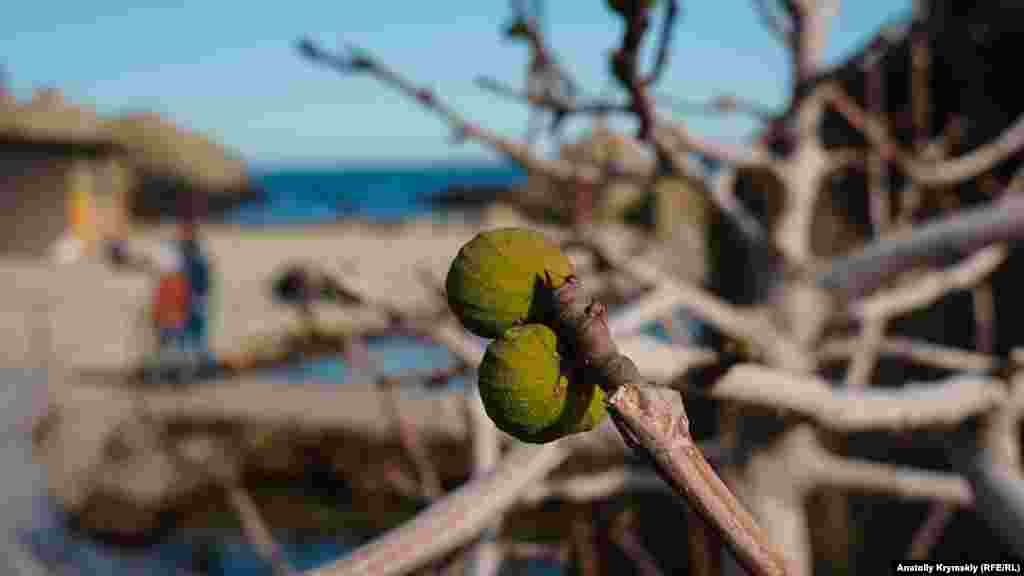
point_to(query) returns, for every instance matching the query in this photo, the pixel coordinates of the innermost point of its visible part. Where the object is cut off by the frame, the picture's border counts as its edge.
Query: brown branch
(360, 61)
(543, 55)
(664, 45)
(411, 443)
(558, 104)
(877, 171)
(659, 429)
(927, 535)
(625, 63)
(623, 533)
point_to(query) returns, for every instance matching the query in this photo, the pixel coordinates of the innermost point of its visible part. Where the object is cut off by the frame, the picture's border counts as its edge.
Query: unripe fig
(528, 392)
(493, 282)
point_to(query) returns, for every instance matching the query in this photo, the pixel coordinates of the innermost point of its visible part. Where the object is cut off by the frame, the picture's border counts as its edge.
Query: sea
(294, 195)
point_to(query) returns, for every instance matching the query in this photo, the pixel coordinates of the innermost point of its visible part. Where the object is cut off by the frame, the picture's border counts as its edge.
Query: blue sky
(229, 68)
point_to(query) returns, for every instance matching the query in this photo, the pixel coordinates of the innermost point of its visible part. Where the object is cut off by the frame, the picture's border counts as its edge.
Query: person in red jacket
(171, 306)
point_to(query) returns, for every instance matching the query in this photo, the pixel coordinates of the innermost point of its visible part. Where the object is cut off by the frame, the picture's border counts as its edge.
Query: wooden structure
(70, 176)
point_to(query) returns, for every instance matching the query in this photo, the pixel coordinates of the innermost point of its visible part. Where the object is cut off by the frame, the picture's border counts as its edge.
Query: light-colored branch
(412, 443)
(922, 405)
(597, 486)
(677, 137)
(256, 530)
(898, 481)
(484, 558)
(968, 230)
(922, 292)
(800, 457)
(862, 364)
(732, 321)
(453, 520)
(919, 351)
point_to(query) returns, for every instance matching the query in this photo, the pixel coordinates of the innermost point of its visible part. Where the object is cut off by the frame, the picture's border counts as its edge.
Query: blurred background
(310, 219)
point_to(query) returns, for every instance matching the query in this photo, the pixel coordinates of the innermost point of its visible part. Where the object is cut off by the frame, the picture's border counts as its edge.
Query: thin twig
(256, 530)
(623, 533)
(360, 60)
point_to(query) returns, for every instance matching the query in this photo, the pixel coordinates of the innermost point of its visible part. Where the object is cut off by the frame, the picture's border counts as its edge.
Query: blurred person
(170, 311)
(197, 272)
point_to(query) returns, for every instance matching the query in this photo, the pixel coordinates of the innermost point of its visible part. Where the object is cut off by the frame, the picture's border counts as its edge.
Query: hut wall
(33, 187)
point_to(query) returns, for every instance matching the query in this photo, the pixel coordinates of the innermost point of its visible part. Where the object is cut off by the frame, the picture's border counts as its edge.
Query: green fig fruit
(492, 283)
(529, 394)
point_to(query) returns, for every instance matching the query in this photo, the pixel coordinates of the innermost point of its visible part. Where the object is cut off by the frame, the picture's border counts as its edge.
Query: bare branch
(945, 172)
(858, 373)
(967, 230)
(820, 467)
(930, 531)
(924, 353)
(451, 521)
(550, 101)
(485, 556)
(561, 170)
(256, 530)
(664, 45)
(411, 442)
(743, 326)
(624, 535)
(543, 56)
(888, 479)
(676, 137)
(922, 292)
(657, 427)
(597, 486)
(917, 405)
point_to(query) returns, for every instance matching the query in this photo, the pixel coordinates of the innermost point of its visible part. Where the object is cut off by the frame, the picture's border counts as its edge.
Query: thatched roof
(147, 141)
(48, 118)
(159, 146)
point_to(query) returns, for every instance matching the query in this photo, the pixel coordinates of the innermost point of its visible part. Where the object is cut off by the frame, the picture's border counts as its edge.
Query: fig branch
(658, 428)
